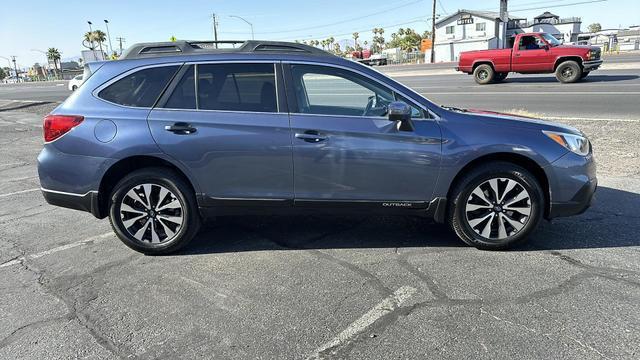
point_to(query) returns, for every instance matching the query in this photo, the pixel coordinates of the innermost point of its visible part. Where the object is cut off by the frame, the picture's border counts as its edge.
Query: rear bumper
(85, 202)
(591, 65)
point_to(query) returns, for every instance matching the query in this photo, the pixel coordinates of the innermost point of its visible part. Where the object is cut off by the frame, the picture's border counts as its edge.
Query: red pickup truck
(532, 53)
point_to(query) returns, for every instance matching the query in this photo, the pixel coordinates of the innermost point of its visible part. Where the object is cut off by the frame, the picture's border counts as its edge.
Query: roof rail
(184, 47)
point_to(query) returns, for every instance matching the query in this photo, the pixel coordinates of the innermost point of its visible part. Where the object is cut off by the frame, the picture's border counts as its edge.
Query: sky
(62, 24)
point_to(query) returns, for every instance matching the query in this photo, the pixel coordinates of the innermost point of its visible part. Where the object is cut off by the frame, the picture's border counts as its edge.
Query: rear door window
(184, 94)
(237, 87)
(141, 88)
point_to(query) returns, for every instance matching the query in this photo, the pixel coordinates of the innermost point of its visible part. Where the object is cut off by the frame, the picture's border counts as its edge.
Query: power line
(415, 20)
(385, 11)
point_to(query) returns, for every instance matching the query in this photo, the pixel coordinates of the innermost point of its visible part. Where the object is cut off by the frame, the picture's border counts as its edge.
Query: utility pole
(215, 30)
(15, 67)
(106, 23)
(120, 40)
(433, 33)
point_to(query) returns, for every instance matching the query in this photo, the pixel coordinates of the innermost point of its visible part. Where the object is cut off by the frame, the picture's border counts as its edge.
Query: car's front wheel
(496, 205)
(154, 211)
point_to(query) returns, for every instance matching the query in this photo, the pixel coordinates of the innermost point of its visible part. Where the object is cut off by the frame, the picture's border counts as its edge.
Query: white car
(75, 83)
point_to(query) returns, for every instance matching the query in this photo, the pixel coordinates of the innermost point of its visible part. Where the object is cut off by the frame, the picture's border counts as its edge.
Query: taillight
(57, 125)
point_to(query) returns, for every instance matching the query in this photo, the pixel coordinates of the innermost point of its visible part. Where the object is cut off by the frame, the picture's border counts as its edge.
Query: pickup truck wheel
(568, 72)
(495, 206)
(483, 74)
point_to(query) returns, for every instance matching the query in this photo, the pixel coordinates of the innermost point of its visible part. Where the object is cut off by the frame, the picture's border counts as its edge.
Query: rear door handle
(181, 128)
(311, 136)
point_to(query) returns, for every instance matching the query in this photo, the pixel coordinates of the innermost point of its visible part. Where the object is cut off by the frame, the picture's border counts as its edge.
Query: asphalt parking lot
(364, 287)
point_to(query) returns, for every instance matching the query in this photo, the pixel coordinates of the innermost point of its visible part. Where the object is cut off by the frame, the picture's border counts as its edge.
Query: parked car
(176, 133)
(75, 83)
(532, 53)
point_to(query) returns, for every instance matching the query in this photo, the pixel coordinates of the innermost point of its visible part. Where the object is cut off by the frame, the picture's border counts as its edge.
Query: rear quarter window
(141, 88)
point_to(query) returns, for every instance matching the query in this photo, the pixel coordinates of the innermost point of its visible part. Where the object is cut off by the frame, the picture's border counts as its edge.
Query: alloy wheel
(498, 208)
(151, 213)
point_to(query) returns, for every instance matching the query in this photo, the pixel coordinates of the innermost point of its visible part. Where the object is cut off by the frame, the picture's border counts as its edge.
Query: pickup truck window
(530, 42)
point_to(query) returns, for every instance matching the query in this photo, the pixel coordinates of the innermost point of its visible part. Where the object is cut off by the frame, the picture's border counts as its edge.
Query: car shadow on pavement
(552, 79)
(612, 221)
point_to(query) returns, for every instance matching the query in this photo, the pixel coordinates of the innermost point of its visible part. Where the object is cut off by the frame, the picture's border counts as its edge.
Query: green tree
(2, 74)
(407, 39)
(53, 54)
(595, 27)
(99, 36)
(378, 40)
(87, 40)
(336, 49)
(356, 35)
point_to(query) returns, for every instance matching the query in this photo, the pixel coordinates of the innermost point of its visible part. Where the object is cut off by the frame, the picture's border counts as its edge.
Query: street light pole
(15, 67)
(245, 20)
(106, 23)
(93, 50)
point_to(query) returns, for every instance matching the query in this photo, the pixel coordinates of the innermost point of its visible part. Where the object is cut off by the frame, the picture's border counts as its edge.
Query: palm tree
(99, 36)
(355, 39)
(53, 54)
(88, 38)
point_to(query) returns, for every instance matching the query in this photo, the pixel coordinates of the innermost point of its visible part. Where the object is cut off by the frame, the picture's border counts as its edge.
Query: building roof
(546, 15)
(491, 15)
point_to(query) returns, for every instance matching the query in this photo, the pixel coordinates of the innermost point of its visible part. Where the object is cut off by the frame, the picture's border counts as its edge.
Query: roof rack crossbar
(184, 47)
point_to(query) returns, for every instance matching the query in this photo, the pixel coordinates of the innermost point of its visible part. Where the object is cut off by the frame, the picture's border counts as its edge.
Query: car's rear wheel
(154, 211)
(496, 205)
(483, 74)
(74, 87)
(568, 72)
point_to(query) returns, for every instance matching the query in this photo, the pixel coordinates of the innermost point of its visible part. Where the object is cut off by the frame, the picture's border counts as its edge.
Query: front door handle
(181, 128)
(311, 136)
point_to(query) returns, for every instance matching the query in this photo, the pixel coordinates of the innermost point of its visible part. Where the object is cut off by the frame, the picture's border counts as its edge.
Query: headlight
(575, 143)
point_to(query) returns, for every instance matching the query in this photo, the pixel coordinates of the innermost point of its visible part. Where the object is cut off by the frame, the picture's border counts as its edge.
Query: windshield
(550, 39)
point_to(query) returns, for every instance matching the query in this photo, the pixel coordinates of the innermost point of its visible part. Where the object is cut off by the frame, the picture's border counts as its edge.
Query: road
(312, 287)
(605, 94)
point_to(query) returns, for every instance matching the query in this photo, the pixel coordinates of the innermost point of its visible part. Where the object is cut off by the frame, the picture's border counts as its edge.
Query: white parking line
(96, 238)
(19, 192)
(385, 307)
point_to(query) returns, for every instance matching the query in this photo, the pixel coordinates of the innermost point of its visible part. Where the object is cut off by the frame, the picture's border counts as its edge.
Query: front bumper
(591, 65)
(578, 204)
(572, 183)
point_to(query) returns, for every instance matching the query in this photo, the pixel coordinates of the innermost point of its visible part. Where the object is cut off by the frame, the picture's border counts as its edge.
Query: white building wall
(465, 37)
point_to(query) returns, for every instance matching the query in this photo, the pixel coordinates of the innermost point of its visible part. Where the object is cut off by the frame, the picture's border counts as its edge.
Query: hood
(505, 119)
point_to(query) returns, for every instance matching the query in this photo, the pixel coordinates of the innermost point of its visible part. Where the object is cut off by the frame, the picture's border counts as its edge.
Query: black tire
(483, 74)
(568, 72)
(478, 176)
(158, 178)
(74, 87)
(584, 74)
(500, 76)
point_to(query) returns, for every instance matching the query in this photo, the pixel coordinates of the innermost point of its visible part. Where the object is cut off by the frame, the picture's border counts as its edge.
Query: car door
(344, 147)
(532, 55)
(222, 121)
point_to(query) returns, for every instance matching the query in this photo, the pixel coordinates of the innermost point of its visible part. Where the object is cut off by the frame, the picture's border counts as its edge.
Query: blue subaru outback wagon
(175, 133)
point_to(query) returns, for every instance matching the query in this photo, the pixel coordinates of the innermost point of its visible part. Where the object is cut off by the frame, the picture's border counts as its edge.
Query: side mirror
(399, 111)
